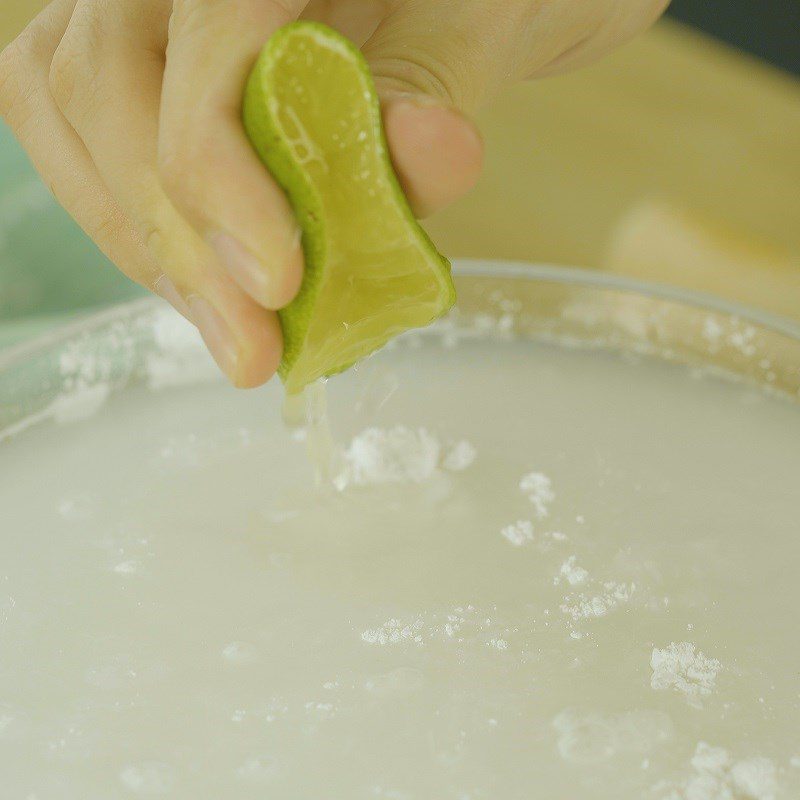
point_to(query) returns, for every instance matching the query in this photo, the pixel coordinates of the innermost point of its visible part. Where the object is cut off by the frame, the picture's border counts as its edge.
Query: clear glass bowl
(72, 369)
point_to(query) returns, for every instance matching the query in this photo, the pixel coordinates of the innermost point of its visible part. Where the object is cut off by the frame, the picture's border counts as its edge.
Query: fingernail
(247, 270)
(218, 337)
(167, 290)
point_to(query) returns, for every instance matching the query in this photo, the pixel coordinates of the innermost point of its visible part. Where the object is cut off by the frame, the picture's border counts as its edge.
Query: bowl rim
(462, 267)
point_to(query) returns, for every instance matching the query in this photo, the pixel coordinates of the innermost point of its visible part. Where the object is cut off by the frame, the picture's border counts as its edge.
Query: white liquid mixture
(546, 574)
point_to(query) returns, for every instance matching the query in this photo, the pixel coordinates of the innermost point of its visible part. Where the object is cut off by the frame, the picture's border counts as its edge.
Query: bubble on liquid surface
(14, 723)
(539, 490)
(239, 653)
(78, 508)
(592, 738)
(400, 681)
(129, 567)
(571, 572)
(460, 456)
(585, 741)
(258, 770)
(148, 778)
(74, 740)
(7, 606)
(518, 533)
(6, 719)
(123, 671)
(319, 710)
(387, 793)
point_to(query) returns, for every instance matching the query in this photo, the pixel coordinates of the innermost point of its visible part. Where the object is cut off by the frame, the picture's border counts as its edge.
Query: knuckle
(77, 75)
(153, 237)
(203, 17)
(108, 224)
(163, 235)
(70, 78)
(420, 72)
(122, 243)
(63, 76)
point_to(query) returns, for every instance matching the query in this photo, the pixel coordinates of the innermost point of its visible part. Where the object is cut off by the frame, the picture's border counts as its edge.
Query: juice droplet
(309, 410)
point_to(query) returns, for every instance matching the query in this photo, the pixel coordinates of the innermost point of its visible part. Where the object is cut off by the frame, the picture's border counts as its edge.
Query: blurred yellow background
(676, 159)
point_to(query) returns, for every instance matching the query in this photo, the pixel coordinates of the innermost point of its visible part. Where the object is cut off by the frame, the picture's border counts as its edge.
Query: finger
(433, 69)
(208, 167)
(436, 151)
(355, 19)
(620, 23)
(55, 149)
(106, 77)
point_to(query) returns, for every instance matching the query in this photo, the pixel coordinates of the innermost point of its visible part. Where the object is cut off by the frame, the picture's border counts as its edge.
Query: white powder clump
(712, 331)
(79, 403)
(180, 358)
(519, 533)
(394, 631)
(717, 776)
(539, 489)
(461, 455)
(453, 625)
(682, 667)
(755, 778)
(399, 455)
(742, 340)
(710, 759)
(394, 455)
(571, 572)
(583, 606)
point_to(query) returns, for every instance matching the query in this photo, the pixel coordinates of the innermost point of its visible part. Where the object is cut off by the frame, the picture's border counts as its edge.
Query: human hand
(130, 111)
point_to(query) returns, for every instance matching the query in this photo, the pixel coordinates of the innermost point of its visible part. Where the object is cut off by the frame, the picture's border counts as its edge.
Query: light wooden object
(672, 120)
(14, 16)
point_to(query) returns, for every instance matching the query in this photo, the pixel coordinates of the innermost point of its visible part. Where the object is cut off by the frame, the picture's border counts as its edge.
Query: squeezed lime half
(371, 272)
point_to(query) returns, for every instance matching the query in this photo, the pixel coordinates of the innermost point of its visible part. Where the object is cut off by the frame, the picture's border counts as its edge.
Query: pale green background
(49, 269)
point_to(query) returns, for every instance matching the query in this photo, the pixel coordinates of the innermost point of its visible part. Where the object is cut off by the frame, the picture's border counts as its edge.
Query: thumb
(436, 150)
(431, 71)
